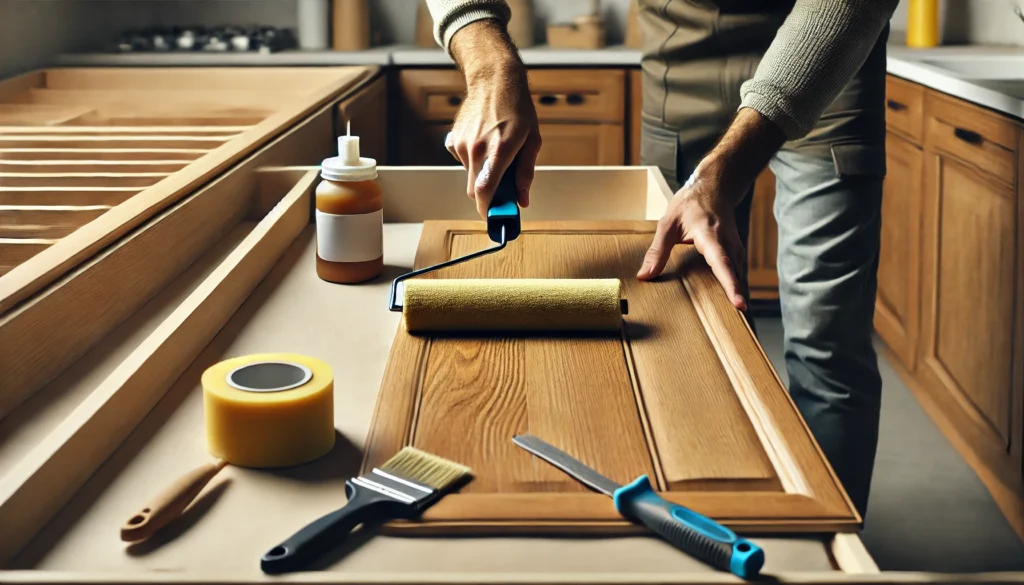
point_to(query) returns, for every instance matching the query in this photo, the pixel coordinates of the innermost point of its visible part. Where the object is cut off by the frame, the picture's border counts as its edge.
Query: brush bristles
(424, 468)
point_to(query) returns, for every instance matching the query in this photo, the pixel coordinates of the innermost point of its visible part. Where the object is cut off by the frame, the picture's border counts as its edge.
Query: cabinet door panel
(898, 299)
(582, 144)
(968, 282)
(682, 393)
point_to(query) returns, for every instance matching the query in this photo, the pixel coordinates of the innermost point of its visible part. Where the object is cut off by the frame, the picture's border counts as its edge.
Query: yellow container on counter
(923, 23)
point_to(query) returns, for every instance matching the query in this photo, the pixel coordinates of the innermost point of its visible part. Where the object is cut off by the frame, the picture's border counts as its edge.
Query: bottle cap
(348, 165)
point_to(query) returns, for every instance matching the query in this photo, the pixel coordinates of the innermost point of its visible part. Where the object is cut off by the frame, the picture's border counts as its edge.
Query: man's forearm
(482, 50)
(816, 52)
(742, 153)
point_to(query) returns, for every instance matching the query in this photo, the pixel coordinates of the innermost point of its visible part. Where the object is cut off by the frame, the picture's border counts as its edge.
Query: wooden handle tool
(170, 503)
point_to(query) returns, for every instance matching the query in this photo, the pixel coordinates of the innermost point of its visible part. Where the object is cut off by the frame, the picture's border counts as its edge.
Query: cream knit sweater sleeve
(815, 53)
(451, 15)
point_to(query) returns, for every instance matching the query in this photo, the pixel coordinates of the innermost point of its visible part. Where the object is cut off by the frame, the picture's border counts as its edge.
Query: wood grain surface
(684, 395)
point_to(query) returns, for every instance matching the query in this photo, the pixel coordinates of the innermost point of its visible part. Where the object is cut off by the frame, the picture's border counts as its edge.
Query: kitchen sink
(981, 67)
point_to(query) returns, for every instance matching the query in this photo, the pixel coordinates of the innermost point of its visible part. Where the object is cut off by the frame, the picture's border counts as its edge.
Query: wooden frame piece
(41, 483)
(80, 305)
(314, 87)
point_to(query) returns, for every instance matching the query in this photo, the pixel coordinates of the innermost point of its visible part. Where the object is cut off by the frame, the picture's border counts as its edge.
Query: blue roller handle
(504, 208)
(689, 531)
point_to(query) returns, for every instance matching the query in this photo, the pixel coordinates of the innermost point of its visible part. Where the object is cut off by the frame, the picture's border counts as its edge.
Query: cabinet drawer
(976, 137)
(904, 108)
(559, 95)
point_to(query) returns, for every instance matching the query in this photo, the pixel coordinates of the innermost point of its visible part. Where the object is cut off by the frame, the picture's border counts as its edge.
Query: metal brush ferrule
(396, 488)
(395, 305)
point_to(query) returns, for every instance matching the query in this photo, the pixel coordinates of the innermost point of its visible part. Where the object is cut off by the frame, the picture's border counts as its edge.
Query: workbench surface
(245, 512)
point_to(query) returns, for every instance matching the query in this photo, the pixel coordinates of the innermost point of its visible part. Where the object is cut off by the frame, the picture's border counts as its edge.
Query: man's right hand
(497, 121)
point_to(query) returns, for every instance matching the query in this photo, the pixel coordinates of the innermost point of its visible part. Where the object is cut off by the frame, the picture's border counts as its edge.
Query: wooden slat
(34, 115)
(113, 141)
(14, 251)
(209, 80)
(177, 130)
(46, 222)
(65, 195)
(91, 166)
(106, 154)
(156, 100)
(80, 179)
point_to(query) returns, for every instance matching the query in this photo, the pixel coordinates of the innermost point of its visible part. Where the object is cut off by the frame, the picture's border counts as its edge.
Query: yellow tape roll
(269, 410)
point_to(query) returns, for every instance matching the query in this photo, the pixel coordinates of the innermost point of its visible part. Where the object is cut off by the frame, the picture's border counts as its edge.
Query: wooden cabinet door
(968, 280)
(763, 240)
(581, 144)
(367, 111)
(897, 305)
(682, 394)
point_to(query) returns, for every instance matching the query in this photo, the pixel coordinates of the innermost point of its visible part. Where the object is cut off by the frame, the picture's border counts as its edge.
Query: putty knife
(687, 530)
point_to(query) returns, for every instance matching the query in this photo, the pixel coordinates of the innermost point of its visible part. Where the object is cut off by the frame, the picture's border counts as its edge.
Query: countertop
(400, 55)
(992, 86)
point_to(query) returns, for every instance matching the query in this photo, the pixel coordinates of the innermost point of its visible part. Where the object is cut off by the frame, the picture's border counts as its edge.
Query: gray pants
(827, 206)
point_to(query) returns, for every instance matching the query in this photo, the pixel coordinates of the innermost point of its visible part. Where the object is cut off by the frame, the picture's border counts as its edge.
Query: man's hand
(497, 121)
(698, 215)
(702, 211)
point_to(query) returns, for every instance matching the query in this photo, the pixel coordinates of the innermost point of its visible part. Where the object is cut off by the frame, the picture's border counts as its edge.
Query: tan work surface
(684, 395)
(245, 512)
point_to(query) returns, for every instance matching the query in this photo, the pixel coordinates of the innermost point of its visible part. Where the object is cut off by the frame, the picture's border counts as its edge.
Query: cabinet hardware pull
(894, 105)
(454, 100)
(548, 100)
(574, 99)
(968, 136)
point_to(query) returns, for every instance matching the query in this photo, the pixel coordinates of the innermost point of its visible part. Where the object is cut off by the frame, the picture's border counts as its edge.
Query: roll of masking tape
(269, 410)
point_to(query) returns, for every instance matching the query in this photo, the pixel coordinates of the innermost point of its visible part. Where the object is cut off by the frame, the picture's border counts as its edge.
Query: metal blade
(567, 463)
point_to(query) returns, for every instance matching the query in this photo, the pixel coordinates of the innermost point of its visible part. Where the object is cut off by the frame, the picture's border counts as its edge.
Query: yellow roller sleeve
(495, 305)
(251, 422)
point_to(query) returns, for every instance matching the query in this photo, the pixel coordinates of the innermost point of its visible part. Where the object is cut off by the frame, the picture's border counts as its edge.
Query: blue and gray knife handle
(697, 535)
(504, 208)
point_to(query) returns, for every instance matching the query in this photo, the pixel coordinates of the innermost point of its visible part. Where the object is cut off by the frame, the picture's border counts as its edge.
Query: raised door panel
(969, 253)
(897, 305)
(763, 240)
(581, 144)
(682, 394)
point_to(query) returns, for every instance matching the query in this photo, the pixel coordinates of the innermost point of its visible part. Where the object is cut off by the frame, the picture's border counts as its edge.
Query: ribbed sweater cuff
(444, 32)
(770, 107)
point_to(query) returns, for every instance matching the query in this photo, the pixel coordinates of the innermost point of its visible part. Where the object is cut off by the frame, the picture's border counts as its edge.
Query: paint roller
(506, 304)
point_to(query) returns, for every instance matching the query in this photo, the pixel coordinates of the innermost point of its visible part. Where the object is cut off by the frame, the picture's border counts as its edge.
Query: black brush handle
(317, 537)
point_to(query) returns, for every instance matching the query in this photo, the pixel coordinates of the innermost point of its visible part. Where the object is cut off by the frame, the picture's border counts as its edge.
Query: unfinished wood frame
(80, 305)
(208, 118)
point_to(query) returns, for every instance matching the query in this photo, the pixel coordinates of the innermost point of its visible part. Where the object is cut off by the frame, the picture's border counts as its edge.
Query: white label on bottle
(350, 238)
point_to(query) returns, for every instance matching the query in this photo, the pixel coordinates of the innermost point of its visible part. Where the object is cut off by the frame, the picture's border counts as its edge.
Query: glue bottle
(349, 216)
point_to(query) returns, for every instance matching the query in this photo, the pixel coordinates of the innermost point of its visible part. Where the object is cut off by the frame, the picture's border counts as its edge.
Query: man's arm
(497, 122)
(816, 52)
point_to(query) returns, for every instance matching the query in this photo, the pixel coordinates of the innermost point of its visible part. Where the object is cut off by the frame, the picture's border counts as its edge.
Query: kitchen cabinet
(897, 305)
(969, 363)
(582, 115)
